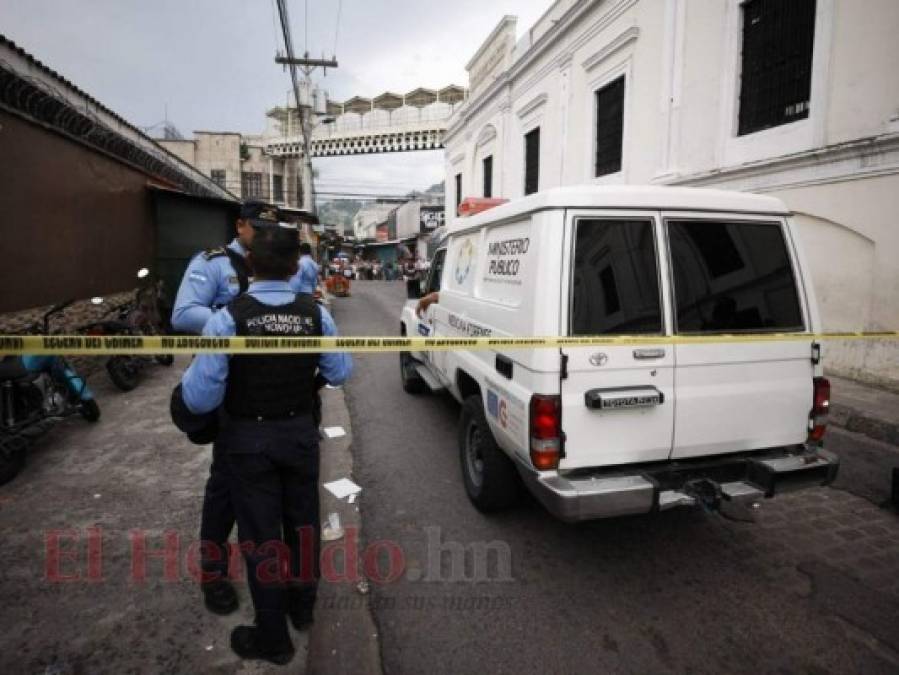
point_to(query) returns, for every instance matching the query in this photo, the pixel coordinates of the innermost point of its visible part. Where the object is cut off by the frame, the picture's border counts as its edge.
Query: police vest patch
(216, 252)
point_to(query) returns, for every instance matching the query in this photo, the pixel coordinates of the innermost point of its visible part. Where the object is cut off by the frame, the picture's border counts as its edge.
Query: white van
(597, 431)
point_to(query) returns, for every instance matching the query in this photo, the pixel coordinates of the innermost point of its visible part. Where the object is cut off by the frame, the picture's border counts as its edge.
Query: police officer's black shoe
(219, 596)
(301, 617)
(247, 644)
(301, 606)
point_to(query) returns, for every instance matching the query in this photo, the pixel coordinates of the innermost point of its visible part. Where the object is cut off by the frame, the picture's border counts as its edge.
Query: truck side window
(732, 277)
(436, 271)
(615, 285)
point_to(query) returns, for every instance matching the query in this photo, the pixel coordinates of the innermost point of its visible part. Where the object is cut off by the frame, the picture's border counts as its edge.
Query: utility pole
(305, 105)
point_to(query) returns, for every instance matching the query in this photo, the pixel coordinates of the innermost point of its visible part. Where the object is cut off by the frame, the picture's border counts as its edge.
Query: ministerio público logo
(464, 262)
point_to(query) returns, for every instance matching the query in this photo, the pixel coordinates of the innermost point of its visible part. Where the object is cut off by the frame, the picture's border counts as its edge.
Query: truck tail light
(546, 431)
(817, 419)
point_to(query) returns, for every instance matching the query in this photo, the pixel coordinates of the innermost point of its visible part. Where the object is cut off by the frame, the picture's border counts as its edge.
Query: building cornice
(488, 41)
(853, 160)
(565, 22)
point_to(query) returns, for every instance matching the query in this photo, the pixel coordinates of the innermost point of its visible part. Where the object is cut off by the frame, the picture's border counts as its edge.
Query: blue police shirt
(306, 278)
(206, 284)
(203, 383)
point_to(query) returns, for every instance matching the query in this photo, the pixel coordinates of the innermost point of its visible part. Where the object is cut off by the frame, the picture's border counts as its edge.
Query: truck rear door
(617, 401)
(737, 275)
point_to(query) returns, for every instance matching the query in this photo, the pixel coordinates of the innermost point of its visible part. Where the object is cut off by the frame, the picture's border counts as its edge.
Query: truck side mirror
(413, 289)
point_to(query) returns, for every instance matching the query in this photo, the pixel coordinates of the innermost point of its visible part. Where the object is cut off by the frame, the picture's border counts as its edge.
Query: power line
(337, 27)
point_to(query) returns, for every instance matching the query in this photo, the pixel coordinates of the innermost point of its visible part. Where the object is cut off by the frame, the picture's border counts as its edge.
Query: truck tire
(490, 478)
(412, 382)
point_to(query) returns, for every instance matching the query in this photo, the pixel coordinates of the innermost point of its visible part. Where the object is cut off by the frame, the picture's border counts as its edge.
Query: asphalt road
(812, 586)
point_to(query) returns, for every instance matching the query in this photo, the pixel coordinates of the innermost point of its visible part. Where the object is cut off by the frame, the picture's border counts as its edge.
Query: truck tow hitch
(735, 500)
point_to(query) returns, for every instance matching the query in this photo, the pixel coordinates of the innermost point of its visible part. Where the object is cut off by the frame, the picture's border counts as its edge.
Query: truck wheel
(412, 382)
(490, 478)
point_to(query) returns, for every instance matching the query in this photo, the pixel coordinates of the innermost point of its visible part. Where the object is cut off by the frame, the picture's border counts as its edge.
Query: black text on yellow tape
(41, 345)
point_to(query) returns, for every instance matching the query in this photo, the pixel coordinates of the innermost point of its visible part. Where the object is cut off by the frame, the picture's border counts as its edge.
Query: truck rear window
(732, 277)
(615, 282)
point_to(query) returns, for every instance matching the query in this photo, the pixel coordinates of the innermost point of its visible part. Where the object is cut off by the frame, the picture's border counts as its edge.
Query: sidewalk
(864, 409)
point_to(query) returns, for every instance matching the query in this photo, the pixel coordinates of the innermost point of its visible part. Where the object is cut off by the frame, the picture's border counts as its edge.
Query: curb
(852, 420)
(344, 638)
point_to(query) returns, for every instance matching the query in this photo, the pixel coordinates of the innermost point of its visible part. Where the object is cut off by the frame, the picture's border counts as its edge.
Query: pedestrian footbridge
(388, 123)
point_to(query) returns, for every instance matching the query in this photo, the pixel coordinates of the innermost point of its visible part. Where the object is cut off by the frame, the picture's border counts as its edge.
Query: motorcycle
(35, 393)
(141, 315)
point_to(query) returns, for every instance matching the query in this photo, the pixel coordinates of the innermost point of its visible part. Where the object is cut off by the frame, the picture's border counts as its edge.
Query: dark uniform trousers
(272, 469)
(218, 516)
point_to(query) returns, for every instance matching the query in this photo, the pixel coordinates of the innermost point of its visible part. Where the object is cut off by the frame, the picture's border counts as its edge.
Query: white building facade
(796, 99)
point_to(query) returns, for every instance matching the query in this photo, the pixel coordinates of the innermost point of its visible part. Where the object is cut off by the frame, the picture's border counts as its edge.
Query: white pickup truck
(598, 431)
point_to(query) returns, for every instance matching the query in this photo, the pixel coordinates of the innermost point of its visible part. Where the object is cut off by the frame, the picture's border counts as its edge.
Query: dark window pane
(278, 188)
(458, 191)
(616, 281)
(609, 127)
(218, 175)
(531, 161)
(776, 75)
(436, 271)
(488, 176)
(713, 296)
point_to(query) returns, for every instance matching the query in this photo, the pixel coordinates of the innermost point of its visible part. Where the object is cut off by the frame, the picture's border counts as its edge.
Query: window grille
(488, 176)
(532, 161)
(776, 77)
(609, 127)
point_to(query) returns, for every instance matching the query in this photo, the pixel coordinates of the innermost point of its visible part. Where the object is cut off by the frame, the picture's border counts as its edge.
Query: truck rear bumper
(618, 491)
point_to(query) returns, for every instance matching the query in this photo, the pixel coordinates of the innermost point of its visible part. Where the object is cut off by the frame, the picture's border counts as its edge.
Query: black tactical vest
(278, 385)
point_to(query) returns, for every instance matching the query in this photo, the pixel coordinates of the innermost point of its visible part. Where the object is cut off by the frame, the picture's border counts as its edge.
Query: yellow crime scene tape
(85, 345)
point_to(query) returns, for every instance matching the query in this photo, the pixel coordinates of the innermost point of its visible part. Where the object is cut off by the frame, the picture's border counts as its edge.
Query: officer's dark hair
(274, 252)
(305, 248)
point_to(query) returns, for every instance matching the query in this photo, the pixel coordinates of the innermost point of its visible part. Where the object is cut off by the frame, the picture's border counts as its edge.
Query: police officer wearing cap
(266, 434)
(212, 280)
(306, 278)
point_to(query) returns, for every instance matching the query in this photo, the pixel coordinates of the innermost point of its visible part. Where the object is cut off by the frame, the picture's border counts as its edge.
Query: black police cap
(260, 214)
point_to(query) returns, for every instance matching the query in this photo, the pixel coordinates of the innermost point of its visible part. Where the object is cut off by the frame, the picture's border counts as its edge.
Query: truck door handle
(643, 354)
(504, 366)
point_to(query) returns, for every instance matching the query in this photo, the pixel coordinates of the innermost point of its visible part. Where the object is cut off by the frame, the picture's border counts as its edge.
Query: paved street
(813, 586)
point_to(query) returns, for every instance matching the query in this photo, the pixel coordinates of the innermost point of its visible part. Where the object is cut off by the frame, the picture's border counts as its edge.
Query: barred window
(776, 78)
(531, 161)
(251, 184)
(278, 188)
(488, 176)
(609, 127)
(218, 175)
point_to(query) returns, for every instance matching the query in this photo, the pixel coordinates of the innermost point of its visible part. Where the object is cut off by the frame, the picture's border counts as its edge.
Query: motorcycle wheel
(164, 359)
(122, 372)
(89, 410)
(11, 462)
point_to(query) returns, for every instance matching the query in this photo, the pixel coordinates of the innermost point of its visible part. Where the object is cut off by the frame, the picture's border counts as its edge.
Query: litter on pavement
(342, 488)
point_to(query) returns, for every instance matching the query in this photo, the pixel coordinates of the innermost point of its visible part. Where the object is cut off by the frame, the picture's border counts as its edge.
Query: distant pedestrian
(306, 278)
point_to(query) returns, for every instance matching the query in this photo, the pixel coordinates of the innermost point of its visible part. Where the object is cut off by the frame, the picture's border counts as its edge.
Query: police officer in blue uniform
(306, 278)
(212, 280)
(262, 407)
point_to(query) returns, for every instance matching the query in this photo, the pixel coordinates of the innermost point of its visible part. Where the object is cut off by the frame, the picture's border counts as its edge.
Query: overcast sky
(211, 61)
